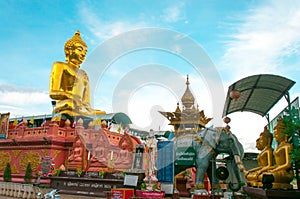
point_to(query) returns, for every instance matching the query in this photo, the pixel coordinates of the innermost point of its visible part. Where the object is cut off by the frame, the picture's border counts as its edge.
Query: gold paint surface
(4, 159)
(32, 157)
(16, 153)
(69, 85)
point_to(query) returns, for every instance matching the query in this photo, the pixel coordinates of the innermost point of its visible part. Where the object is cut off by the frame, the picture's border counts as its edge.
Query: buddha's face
(77, 54)
(278, 135)
(258, 144)
(263, 141)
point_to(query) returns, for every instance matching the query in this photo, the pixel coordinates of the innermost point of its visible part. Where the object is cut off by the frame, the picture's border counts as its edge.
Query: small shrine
(189, 119)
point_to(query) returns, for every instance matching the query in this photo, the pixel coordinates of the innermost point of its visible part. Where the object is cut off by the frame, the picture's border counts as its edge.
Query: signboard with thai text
(184, 153)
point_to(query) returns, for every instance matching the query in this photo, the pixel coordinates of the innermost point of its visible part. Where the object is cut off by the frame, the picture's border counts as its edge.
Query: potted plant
(57, 172)
(143, 186)
(79, 171)
(102, 173)
(123, 174)
(156, 186)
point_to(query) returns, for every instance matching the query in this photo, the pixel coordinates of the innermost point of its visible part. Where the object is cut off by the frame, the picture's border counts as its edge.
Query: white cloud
(173, 13)
(264, 38)
(104, 29)
(24, 101)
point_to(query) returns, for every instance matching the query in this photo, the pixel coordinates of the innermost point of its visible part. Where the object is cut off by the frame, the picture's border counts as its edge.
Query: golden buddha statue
(282, 170)
(69, 85)
(264, 159)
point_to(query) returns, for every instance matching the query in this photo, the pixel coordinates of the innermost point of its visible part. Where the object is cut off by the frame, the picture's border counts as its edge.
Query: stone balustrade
(18, 190)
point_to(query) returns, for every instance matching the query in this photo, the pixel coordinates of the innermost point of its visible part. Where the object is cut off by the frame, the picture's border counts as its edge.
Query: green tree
(7, 173)
(28, 174)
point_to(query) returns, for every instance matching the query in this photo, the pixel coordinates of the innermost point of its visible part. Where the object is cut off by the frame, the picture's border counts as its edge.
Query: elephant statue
(208, 143)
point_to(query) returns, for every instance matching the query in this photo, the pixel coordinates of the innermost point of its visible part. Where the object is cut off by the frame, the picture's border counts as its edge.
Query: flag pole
(45, 123)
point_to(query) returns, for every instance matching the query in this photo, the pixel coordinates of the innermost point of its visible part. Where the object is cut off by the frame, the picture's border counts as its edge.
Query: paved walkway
(62, 196)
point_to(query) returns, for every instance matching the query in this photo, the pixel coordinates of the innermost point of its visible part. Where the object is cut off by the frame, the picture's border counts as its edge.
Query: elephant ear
(206, 142)
(238, 149)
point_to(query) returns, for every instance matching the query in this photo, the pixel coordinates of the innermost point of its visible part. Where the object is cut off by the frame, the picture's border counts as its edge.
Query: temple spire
(187, 99)
(190, 118)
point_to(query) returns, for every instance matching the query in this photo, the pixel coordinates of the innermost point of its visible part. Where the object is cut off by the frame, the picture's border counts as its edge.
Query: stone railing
(53, 130)
(18, 190)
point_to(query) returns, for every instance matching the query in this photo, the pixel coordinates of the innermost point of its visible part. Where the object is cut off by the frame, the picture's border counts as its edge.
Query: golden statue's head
(265, 139)
(258, 144)
(75, 50)
(279, 130)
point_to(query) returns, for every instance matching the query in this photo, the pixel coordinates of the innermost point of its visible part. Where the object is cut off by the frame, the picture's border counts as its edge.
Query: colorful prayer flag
(20, 122)
(120, 128)
(31, 121)
(16, 122)
(97, 122)
(109, 125)
(44, 121)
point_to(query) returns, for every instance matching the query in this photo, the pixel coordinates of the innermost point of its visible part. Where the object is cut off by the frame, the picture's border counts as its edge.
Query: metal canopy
(118, 118)
(258, 94)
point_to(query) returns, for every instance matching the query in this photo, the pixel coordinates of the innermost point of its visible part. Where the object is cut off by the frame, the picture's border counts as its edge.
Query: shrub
(28, 174)
(7, 173)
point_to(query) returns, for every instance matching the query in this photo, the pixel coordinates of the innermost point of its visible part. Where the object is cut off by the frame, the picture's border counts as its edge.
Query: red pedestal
(120, 193)
(150, 194)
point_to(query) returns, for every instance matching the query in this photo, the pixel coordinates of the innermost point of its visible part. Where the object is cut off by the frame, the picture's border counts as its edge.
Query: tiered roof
(189, 119)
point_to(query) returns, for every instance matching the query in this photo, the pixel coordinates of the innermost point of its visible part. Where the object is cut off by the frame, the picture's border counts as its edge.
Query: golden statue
(282, 170)
(69, 85)
(264, 159)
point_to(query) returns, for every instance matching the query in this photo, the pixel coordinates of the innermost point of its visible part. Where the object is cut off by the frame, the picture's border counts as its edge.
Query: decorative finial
(178, 109)
(187, 80)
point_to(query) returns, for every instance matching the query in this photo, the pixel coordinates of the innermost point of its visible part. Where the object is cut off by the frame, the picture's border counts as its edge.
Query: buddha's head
(265, 138)
(279, 130)
(258, 144)
(75, 50)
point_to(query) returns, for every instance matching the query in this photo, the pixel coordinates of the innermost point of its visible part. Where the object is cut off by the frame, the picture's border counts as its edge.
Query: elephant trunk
(238, 167)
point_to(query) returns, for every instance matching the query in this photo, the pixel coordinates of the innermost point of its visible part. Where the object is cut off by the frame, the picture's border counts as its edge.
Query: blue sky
(239, 38)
